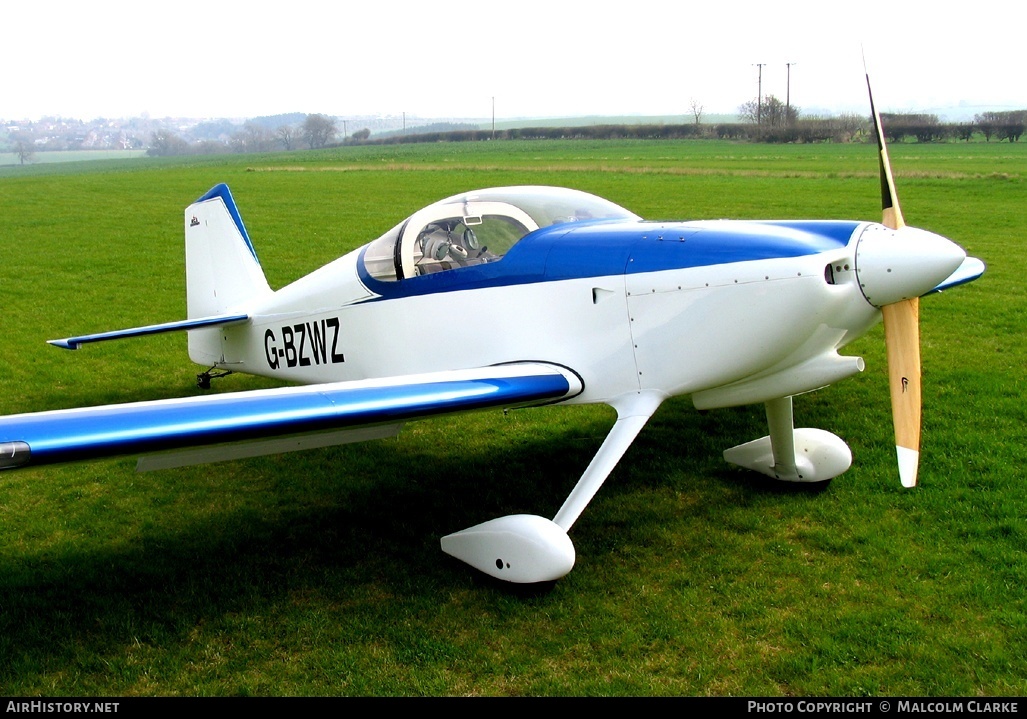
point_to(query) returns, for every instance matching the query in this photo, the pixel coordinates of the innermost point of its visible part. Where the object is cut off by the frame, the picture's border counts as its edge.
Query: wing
(318, 414)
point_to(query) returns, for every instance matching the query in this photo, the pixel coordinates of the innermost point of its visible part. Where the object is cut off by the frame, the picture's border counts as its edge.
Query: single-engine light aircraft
(587, 303)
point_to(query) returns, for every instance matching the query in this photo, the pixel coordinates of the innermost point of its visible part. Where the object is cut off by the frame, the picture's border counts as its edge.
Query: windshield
(550, 205)
(479, 227)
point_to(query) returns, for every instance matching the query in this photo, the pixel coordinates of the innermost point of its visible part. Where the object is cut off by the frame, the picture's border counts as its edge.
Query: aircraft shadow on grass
(176, 575)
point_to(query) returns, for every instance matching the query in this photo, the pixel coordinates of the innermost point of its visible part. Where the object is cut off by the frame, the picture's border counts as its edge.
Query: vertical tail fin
(222, 270)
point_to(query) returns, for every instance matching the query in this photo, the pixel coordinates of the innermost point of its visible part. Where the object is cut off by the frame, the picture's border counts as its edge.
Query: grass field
(64, 156)
(319, 573)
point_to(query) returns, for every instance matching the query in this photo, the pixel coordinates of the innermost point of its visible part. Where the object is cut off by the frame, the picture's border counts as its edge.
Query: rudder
(223, 273)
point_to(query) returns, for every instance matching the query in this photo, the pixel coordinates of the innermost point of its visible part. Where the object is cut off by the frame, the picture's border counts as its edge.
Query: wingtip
(63, 344)
(909, 461)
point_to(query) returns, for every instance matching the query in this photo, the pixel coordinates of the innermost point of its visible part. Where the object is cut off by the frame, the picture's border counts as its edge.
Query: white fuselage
(676, 331)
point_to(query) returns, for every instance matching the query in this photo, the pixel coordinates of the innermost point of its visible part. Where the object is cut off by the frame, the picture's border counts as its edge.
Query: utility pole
(788, 94)
(493, 117)
(759, 96)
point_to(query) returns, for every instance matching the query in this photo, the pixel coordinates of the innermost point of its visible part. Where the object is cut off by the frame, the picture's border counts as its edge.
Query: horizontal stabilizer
(73, 343)
(175, 424)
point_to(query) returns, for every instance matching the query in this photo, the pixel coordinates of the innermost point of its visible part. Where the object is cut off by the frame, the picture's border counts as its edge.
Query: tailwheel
(203, 378)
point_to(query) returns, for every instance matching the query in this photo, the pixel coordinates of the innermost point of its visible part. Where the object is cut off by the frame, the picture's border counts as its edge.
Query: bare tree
(1005, 125)
(770, 113)
(318, 130)
(749, 111)
(697, 110)
(852, 126)
(24, 148)
(164, 142)
(252, 138)
(286, 136)
(924, 127)
(985, 124)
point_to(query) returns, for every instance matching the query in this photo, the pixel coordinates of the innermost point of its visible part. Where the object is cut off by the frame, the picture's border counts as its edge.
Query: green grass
(320, 573)
(64, 156)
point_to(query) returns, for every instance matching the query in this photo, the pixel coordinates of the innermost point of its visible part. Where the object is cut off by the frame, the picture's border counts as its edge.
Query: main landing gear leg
(525, 548)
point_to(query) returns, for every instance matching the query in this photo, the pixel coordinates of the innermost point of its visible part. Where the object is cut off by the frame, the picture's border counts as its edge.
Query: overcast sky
(450, 58)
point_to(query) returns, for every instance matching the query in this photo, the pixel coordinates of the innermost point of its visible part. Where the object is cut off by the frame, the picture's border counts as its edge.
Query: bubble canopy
(478, 227)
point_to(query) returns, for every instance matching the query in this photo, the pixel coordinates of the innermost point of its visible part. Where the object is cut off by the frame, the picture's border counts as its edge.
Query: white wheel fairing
(819, 456)
(521, 548)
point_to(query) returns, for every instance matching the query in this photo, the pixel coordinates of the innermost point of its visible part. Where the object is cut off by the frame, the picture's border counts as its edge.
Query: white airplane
(520, 296)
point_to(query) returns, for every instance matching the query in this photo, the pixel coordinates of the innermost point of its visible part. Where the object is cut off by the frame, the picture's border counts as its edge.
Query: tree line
(928, 128)
(764, 120)
(314, 132)
(769, 121)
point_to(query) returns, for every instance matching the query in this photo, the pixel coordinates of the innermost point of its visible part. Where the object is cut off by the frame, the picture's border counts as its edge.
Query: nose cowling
(896, 265)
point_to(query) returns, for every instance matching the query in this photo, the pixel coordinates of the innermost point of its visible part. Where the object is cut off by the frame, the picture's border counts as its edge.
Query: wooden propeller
(901, 334)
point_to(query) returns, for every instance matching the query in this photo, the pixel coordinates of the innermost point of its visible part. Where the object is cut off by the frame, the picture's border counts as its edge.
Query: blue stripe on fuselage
(602, 249)
(723, 242)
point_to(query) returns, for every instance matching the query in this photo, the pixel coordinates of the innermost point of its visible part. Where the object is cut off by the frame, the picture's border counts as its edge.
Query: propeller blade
(901, 333)
(892, 213)
(902, 344)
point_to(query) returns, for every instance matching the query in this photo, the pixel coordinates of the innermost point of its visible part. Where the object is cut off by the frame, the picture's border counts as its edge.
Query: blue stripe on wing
(93, 432)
